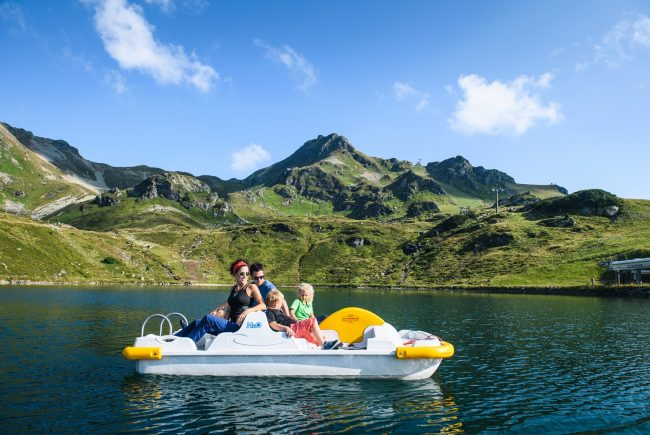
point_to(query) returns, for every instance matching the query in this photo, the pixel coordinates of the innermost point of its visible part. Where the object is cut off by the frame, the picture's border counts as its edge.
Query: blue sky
(548, 91)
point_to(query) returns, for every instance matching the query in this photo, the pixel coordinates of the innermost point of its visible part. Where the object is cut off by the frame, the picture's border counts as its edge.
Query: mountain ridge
(327, 169)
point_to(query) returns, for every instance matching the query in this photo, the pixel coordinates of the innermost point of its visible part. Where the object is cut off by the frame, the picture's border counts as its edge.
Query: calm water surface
(528, 364)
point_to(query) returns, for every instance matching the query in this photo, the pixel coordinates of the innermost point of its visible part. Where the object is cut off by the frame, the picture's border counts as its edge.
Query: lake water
(531, 364)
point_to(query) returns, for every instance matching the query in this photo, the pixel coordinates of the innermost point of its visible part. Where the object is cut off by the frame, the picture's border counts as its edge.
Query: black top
(279, 317)
(239, 302)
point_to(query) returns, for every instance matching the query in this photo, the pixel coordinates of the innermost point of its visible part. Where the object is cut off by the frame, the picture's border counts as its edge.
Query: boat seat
(351, 323)
(330, 335)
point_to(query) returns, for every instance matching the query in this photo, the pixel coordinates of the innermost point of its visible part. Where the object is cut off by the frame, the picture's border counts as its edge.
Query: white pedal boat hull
(338, 363)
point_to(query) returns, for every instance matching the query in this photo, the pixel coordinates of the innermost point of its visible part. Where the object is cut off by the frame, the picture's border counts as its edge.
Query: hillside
(327, 214)
(67, 158)
(324, 176)
(510, 249)
(30, 185)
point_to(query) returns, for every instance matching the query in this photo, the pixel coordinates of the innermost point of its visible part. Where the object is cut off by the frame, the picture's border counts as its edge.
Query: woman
(242, 294)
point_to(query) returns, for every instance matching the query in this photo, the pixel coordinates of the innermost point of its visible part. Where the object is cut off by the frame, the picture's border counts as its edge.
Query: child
(302, 307)
(307, 328)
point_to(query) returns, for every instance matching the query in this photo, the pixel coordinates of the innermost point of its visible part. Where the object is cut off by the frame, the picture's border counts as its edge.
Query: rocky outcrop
(489, 240)
(409, 183)
(451, 223)
(559, 222)
(459, 173)
(357, 242)
(110, 198)
(370, 210)
(188, 191)
(313, 182)
(594, 202)
(169, 185)
(520, 199)
(417, 209)
(5, 180)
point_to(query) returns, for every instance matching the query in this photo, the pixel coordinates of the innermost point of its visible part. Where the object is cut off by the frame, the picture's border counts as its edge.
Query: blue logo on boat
(253, 325)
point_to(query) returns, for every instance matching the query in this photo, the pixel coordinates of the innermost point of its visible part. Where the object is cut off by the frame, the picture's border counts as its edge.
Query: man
(259, 279)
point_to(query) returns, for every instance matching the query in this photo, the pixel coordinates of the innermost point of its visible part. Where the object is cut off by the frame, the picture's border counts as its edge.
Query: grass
(319, 250)
(40, 182)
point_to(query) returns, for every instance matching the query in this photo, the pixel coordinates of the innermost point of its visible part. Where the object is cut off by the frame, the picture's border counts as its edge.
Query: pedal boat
(371, 348)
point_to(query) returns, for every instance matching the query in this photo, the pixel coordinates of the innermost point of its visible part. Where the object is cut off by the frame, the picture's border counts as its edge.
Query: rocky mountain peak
(459, 172)
(309, 153)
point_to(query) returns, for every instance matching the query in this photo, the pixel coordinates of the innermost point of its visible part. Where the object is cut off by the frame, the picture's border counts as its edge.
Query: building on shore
(635, 269)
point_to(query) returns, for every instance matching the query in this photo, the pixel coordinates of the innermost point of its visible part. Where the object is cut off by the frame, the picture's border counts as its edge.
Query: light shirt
(302, 310)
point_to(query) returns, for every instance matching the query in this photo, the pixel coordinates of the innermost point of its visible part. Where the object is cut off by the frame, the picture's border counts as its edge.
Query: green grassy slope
(511, 249)
(39, 182)
(137, 213)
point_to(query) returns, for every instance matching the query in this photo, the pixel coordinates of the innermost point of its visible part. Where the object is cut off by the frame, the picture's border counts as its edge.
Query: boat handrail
(169, 315)
(171, 329)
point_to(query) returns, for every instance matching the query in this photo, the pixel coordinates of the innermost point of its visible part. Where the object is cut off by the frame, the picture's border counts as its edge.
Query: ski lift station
(636, 268)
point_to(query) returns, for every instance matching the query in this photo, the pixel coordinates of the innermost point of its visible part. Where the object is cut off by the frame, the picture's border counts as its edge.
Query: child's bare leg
(318, 335)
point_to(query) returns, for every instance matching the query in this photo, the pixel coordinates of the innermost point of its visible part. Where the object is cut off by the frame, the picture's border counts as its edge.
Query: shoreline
(601, 291)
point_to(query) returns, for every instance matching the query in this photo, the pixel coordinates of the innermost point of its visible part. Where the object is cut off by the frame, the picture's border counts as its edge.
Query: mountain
(67, 159)
(324, 176)
(30, 185)
(321, 215)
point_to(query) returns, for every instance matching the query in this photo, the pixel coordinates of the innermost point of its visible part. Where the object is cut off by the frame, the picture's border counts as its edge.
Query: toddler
(302, 308)
(307, 328)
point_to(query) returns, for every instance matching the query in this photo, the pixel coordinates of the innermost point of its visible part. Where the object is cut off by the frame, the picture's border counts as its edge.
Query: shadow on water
(286, 405)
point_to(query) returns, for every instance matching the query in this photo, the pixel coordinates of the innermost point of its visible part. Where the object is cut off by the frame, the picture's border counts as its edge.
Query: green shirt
(302, 310)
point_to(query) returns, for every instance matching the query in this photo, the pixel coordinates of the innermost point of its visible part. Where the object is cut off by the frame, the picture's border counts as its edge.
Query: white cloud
(406, 91)
(116, 81)
(621, 42)
(165, 5)
(248, 158)
(128, 38)
(497, 108)
(13, 15)
(301, 70)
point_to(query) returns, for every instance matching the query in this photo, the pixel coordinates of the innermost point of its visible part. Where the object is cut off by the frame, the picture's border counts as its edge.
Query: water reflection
(287, 405)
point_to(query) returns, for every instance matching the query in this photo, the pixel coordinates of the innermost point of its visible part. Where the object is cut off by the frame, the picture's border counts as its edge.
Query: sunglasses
(243, 274)
(258, 277)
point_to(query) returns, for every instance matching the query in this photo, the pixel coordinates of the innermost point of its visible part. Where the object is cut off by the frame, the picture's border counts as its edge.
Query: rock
(170, 185)
(5, 179)
(419, 208)
(282, 228)
(106, 201)
(458, 172)
(13, 207)
(520, 199)
(559, 222)
(313, 182)
(221, 208)
(594, 202)
(409, 248)
(451, 223)
(489, 240)
(357, 242)
(365, 210)
(409, 183)
(611, 210)
(284, 191)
